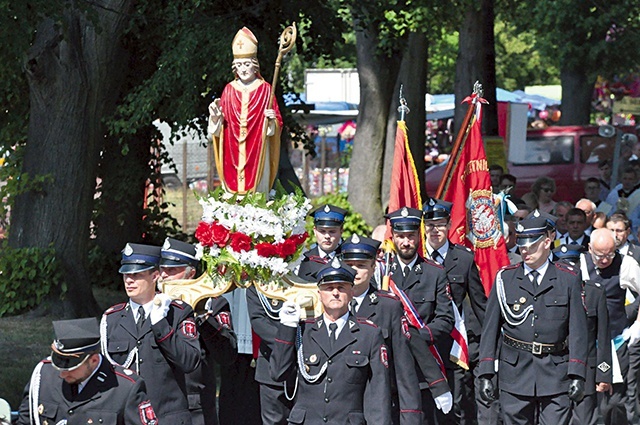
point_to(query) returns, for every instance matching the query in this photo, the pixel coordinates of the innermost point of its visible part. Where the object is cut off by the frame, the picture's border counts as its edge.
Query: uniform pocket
(297, 415)
(115, 346)
(357, 368)
(556, 307)
(356, 418)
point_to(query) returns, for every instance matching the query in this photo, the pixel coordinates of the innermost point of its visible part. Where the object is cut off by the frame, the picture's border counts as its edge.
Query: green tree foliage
(353, 221)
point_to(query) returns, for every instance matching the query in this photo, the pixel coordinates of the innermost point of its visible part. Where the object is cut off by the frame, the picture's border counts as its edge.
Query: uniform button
(535, 298)
(357, 361)
(535, 316)
(329, 361)
(100, 420)
(140, 361)
(325, 419)
(535, 335)
(139, 342)
(326, 400)
(70, 411)
(329, 380)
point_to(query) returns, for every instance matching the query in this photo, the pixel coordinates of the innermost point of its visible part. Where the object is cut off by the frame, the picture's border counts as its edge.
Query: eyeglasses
(603, 256)
(430, 226)
(547, 189)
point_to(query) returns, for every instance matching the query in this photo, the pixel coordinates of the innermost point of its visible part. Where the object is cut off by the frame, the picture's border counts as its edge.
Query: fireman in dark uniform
(327, 228)
(385, 310)
(537, 307)
(78, 385)
(598, 377)
(217, 339)
(425, 284)
(342, 362)
(470, 300)
(155, 336)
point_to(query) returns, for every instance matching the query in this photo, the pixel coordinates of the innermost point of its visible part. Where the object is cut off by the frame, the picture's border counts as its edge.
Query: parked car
(569, 155)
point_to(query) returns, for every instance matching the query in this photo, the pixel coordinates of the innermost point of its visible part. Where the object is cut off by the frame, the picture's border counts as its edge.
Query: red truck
(569, 155)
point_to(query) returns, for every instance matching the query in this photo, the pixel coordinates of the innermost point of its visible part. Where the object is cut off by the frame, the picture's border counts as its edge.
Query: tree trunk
(577, 91)
(413, 77)
(476, 62)
(377, 75)
(72, 71)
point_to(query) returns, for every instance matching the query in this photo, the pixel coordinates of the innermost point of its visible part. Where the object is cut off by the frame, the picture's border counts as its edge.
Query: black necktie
(533, 276)
(435, 256)
(332, 338)
(406, 270)
(353, 306)
(141, 318)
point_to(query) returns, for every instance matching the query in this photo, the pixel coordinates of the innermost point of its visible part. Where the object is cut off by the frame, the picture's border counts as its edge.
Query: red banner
(474, 218)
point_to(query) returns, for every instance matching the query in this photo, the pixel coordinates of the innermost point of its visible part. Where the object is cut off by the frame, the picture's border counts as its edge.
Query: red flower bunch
(240, 242)
(266, 249)
(210, 234)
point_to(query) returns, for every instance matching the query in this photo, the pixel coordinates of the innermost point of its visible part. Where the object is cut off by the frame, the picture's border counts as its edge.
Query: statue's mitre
(245, 44)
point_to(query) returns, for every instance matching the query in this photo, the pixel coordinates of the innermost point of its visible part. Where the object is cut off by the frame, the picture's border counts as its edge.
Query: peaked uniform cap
(137, 258)
(336, 271)
(244, 44)
(74, 341)
(434, 209)
(551, 219)
(359, 248)
(176, 253)
(327, 215)
(530, 231)
(405, 219)
(569, 252)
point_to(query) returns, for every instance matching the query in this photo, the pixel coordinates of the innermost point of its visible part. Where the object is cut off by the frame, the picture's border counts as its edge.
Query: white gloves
(160, 308)
(632, 334)
(208, 306)
(289, 314)
(444, 402)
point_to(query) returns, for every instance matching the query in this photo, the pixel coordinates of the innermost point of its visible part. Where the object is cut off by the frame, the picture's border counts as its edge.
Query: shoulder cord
(133, 354)
(583, 268)
(266, 305)
(510, 317)
(301, 366)
(34, 393)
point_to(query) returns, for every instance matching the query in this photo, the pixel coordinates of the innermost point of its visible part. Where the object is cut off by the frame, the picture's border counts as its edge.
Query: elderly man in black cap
(217, 339)
(470, 300)
(77, 385)
(536, 327)
(327, 228)
(425, 284)
(339, 359)
(152, 334)
(386, 311)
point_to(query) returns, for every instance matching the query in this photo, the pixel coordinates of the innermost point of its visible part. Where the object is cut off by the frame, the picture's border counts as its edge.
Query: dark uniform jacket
(113, 395)
(354, 388)
(427, 287)
(312, 262)
(558, 316)
(599, 345)
(266, 326)
(385, 310)
(219, 345)
(166, 351)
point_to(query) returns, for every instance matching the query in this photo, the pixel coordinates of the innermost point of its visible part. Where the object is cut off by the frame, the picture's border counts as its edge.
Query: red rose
(240, 242)
(266, 249)
(204, 234)
(288, 247)
(220, 234)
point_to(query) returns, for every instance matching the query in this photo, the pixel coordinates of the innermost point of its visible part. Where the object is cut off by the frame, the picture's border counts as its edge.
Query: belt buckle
(536, 348)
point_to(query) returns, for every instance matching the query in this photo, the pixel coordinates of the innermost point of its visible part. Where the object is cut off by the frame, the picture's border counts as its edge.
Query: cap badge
(127, 250)
(335, 263)
(563, 248)
(404, 212)
(519, 228)
(327, 209)
(536, 213)
(167, 244)
(355, 239)
(431, 202)
(59, 345)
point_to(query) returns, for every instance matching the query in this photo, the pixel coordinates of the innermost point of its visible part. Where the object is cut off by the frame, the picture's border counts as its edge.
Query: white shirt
(541, 271)
(135, 307)
(82, 384)
(411, 263)
(359, 299)
(442, 251)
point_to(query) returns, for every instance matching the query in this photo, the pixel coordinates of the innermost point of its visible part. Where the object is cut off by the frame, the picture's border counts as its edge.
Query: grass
(25, 340)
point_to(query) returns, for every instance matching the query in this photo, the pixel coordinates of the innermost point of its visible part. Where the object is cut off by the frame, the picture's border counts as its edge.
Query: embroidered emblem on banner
(482, 219)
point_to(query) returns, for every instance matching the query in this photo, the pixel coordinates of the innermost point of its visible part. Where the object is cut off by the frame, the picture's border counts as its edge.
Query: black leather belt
(535, 347)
